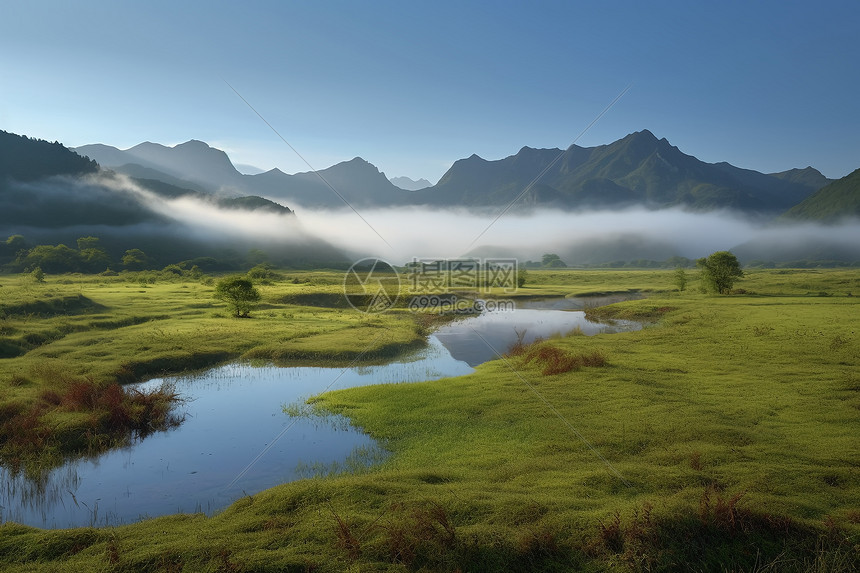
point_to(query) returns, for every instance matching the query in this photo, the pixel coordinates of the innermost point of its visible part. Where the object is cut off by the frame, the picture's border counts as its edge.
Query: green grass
(76, 331)
(722, 437)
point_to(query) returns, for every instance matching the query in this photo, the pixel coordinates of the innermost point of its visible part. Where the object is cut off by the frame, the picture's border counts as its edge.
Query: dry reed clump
(554, 360)
(28, 429)
(646, 543)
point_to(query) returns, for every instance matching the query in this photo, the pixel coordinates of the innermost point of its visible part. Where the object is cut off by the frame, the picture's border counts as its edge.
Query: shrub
(38, 275)
(239, 294)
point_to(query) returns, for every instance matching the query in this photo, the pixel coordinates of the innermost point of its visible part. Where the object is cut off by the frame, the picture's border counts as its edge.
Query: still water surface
(234, 413)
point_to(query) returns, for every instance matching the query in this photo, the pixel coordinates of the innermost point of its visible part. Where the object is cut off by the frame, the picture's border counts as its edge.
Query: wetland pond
(236, 439)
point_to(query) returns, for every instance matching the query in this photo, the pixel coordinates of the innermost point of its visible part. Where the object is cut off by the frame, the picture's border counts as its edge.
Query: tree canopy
(135, 260)
(26, 159)
(553, 261)
(720, 270)
(239, 293)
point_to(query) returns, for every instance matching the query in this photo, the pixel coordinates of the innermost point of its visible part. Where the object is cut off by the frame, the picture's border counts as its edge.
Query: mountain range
(196, 165)
(171, 201)
(637, 170)
(50, 194)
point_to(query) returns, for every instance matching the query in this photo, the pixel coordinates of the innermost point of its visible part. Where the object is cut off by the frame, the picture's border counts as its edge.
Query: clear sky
(412, 87)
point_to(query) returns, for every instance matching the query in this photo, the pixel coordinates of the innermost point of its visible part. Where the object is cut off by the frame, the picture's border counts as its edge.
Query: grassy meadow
(721, 437)
(66, 344)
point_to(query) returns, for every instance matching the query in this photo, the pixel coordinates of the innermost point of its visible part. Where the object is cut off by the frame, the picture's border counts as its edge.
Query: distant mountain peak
(645, 133)
(146, 144)
(360, 162)
(194, 143)
(840, 199)
(809, 177)
(409, 184)
(355, 165)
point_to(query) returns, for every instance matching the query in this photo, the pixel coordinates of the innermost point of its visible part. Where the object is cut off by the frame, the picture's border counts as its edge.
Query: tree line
(90, 257)
(26, 159)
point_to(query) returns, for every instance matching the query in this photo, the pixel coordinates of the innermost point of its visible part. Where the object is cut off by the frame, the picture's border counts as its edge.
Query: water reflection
(577, 303)
(479, 339)
(235, 411)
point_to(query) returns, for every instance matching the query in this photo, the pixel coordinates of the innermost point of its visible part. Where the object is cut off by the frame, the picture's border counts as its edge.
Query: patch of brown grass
(554, 360)
(114, 414)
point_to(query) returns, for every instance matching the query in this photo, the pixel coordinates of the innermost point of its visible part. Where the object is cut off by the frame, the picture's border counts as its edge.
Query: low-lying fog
(418, 232)
(589, 237)
(401, 234)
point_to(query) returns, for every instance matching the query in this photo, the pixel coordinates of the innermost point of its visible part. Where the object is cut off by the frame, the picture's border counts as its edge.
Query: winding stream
(236, 439)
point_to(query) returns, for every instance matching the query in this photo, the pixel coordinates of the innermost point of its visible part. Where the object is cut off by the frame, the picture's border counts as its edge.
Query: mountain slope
(638, 169)
(41, 186)
(49, 194)
(137, 171)
(476, 182)
(809, 176)
(357, 180)
(192, 161)
(840, 199)
(26, 159)
(196, 165)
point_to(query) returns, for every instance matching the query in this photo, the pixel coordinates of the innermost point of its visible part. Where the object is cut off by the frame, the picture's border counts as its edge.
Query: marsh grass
(36, 434)
(66, 344)
(738, 450)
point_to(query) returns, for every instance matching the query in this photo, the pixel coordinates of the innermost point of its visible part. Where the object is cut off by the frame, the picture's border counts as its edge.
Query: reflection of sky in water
(233, 413)
(499, 331)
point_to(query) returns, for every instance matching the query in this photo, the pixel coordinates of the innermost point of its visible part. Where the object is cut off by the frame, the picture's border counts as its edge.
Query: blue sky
(412, 87)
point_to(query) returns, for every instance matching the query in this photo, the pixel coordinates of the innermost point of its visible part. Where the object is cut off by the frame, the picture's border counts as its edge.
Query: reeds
(553, 360)
(30, 429)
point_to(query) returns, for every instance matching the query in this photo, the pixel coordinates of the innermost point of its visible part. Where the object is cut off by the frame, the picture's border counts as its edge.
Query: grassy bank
(723, 437)
(67, 343)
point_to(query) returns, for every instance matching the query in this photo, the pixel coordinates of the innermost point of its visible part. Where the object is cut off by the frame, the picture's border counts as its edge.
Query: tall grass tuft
(554, 360)
(519, 347)
(716, 511)
(422, 536)
(115, 414)
(346, 540)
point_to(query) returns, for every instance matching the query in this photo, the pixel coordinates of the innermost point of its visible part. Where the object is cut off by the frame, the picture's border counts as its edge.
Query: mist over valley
(189, 201)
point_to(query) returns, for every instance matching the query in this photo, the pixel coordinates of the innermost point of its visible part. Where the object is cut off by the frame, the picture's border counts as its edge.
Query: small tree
(522, 277)
(135, 260)
(38, 275)
(720, 270)
(681, 278)
(552, 260)
(239, 294)
(93, 256)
